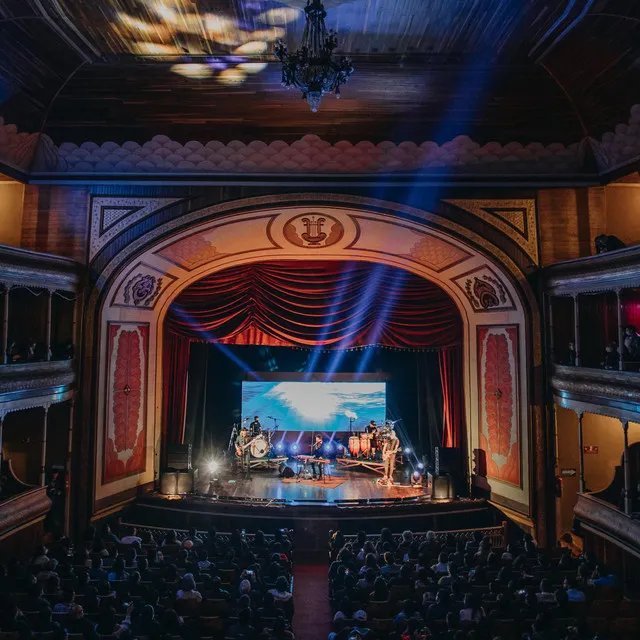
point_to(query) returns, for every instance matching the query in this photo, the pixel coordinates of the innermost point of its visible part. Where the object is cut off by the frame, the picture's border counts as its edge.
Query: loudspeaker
(176, 482)
(179, 457)
(443, 488)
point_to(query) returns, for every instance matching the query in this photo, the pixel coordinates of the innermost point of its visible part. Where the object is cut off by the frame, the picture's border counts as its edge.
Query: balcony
(35, 379)
(604, 520)
(614, 393)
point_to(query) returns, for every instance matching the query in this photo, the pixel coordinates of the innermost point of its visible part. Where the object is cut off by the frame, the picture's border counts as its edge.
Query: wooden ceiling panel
(540, 70)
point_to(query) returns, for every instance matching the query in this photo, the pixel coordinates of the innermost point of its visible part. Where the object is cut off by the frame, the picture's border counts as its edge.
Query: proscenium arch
(422, 243)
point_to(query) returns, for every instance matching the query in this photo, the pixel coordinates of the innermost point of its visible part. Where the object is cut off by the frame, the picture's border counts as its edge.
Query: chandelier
(312, 68)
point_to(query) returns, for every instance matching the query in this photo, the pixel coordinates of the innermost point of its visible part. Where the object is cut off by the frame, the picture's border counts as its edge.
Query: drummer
(255, 428)
(372, 430)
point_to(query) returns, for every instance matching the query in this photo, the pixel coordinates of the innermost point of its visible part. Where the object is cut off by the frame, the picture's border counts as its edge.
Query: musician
(316, 451)
(372, 428)
(255, 428)
(242, 450)
(389, 450)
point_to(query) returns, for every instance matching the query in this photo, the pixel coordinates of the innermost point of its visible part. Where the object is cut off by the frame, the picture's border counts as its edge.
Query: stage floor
(351, 485)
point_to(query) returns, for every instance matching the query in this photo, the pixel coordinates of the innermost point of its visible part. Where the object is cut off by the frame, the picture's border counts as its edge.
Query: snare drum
(354, 446)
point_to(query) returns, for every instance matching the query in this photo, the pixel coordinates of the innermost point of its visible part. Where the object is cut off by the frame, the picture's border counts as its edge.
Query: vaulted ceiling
(526, 70)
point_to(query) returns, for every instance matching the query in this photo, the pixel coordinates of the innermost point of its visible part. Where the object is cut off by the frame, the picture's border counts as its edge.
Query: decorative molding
(191, 252)
(606, 521)
(45, 377)
(141, 288)
(112, 215)
(313, 231)
(25, 508)
(125, 437)
(515, 218)
(601, 391)
(485, 290)
(437, 254)
(499, 407)
(20, 267)
(618, 269)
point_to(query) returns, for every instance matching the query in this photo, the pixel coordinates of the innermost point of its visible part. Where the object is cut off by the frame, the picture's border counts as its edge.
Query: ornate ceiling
(495, 70)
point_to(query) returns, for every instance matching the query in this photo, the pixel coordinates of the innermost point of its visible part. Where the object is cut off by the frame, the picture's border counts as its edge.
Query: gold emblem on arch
(313, 230)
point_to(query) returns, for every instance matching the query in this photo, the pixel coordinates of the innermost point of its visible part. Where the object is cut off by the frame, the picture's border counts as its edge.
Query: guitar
(240, 448)
(389, 454)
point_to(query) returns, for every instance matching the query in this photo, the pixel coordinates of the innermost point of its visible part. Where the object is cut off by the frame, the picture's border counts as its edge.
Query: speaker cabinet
(443, 488)
(176, 482)
(179, 457)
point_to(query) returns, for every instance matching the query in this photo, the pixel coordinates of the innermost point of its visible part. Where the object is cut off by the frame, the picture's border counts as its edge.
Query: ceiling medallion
(312, 68)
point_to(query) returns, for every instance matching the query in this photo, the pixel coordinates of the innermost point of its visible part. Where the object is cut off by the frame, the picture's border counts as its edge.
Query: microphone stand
(232, 438)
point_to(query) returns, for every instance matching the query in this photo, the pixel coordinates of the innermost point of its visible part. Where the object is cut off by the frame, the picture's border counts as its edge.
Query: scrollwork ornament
(142, 290)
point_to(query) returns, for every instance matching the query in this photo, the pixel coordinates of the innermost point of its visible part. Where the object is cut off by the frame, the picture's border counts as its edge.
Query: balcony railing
(18, 381)
(620, 390)
(605, 520)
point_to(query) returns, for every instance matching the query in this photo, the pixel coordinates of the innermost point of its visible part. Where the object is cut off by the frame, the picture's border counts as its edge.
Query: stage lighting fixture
(279, 446)
(294, 447)
(407, 450)
(212, 466)
(420, 465)
(416, 479)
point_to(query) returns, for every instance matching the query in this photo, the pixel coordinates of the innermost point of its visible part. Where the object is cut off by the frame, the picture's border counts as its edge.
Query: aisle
(312, 617)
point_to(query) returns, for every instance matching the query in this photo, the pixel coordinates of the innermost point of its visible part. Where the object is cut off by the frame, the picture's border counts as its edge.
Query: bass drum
(259, 447)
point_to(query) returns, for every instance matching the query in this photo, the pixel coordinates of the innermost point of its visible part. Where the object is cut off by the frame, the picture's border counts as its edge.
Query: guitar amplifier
(179, 457)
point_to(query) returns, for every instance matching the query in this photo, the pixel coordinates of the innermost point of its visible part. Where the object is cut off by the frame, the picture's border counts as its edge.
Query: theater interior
(320, 319)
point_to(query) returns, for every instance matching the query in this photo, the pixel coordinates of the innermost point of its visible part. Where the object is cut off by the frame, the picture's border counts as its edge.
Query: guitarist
(242, 448)
(389, 450)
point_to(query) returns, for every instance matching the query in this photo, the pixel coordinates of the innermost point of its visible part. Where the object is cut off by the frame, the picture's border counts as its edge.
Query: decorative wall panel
(485, 290)
(126, 407)
(110, 216)
(499, 432)
(515, 218)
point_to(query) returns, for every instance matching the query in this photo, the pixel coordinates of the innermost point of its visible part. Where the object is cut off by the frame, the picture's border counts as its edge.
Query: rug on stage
(329, 483)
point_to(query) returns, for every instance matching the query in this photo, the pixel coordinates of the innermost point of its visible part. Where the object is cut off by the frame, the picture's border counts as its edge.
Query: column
(628, 489)
(5, 323)
(67, 494)
(2, 417)
(47, 334)
(551, 338)
(43, 459)
(576, 328)
(581, 457)
(620, 331)
(74, 324)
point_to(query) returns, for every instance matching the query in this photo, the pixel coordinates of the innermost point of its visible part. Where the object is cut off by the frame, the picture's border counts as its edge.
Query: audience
(132, 587)
(416, 587)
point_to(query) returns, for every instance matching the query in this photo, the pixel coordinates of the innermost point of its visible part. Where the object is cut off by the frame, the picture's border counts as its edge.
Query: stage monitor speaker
(442, 488)
(179, 457)
(446, 460)
(176, 482)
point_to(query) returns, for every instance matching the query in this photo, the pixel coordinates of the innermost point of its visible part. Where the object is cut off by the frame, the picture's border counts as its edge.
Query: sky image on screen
(314, 406)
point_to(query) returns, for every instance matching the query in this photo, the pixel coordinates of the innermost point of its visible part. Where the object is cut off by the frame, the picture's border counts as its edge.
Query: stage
(349, 496)
(266, 485)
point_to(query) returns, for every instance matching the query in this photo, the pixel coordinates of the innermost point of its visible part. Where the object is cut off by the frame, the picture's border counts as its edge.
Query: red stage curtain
(332, 304)
(335, 305)
(175, 363)
(450, 364)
